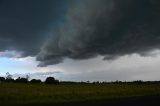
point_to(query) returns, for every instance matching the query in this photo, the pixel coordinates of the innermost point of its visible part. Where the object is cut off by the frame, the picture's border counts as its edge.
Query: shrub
(35, 81)
(51, 80)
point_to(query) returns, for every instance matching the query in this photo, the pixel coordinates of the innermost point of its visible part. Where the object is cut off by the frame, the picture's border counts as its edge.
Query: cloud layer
(25, 24)
(54, 30)
(110, 28)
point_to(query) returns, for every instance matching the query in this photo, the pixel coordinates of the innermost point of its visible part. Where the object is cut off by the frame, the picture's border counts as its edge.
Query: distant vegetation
(52, 80)
(8, 78)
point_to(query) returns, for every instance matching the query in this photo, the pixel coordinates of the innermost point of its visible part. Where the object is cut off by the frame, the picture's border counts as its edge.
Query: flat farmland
(20, 94)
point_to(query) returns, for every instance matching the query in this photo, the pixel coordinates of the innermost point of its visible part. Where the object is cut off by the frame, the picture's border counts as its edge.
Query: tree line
(52, 80)
(8, 78)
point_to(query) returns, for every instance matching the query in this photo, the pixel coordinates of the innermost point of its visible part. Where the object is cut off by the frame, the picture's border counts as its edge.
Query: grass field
(13, 94)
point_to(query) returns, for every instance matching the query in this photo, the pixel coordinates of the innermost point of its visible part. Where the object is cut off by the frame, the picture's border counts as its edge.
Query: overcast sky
(81, 40)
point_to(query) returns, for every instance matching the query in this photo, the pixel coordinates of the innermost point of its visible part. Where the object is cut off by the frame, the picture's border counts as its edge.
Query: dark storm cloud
(110, 28)
(25, 24)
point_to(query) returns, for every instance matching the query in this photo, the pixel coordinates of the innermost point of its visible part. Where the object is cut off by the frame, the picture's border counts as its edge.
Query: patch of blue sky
(11, 66)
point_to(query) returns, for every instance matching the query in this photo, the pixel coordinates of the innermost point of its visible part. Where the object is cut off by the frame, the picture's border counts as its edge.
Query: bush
(51, 80)
(21, 80)
(35, 81)
(2, 79)
(10, 80)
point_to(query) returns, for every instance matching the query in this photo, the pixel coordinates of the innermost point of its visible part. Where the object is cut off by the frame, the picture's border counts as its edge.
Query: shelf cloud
(54, 30)
(25, 24)
(110, 28)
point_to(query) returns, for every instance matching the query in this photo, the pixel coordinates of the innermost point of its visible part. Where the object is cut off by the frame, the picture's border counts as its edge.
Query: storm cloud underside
(25, 24)
(110, 28)
(53, 30)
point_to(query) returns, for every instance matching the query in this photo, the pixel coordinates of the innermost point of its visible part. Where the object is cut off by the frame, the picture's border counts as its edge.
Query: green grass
(13, 94)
